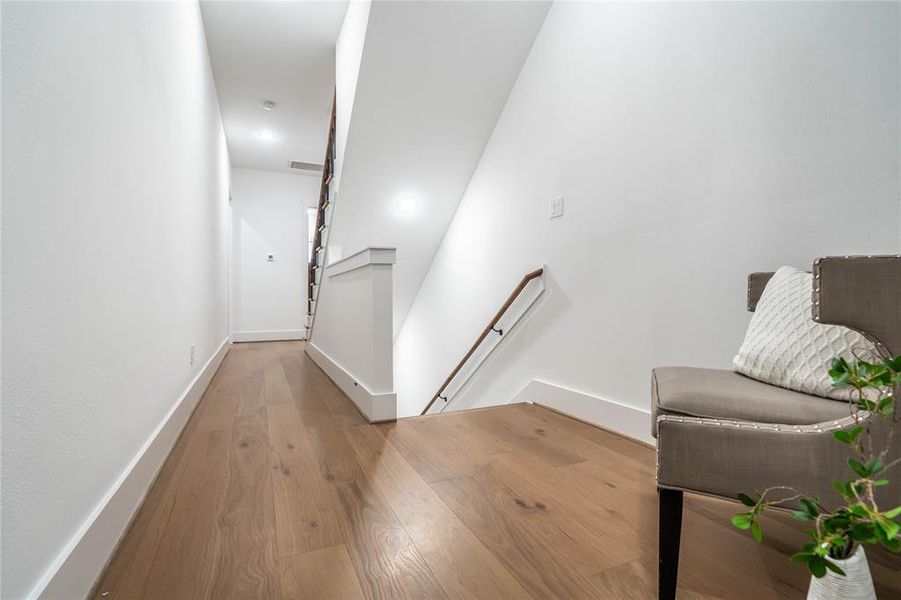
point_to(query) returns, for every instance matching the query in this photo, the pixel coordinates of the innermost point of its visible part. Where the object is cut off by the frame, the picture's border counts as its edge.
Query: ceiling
(283, 52)
(432, 82)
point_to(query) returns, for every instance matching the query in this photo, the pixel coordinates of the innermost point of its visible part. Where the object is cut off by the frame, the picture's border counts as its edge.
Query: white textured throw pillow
(784, 346)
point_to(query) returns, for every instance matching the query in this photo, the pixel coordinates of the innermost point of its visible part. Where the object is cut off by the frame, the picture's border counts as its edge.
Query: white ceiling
(278, 51)
(433, 80)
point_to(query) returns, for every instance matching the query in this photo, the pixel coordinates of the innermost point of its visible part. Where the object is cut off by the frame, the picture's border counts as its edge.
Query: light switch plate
(556, 207)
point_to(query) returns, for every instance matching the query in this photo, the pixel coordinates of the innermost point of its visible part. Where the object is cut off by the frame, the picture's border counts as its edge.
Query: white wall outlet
(270, 257)
(556, 207)
(192, 354)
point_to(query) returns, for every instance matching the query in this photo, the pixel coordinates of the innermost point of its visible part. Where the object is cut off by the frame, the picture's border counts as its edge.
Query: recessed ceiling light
(407, 205)
(267, 135)
(268, 105)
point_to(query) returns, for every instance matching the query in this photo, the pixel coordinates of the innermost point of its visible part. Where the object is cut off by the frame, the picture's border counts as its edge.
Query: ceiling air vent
(305, 166)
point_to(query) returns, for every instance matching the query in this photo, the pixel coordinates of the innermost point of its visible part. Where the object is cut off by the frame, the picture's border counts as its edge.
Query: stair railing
(317, 256)
(490, 328)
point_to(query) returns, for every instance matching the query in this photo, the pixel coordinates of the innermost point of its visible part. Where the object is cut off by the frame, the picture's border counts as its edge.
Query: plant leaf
(742, 521)
(867, 405)
(858, 468)
(808, 507)
(863, 532)
(746, 500)
(891, 514)
(817, 566)
(885, 406)
(833, 567)
(889, 528)
(874, 466)
(894, 545)
(840, 488)
(842, 436)
(756, 532)
(893, 363)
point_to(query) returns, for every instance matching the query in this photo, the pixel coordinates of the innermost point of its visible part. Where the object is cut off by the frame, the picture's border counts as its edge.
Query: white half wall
(352, 337)
(115, 262)
(693, 143)
(269, 216)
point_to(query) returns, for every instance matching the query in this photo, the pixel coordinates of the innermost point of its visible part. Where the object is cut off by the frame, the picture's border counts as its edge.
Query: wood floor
(279, 489)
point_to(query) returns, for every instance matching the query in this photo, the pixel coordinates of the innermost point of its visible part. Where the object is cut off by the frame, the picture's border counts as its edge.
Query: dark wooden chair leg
(670, 532)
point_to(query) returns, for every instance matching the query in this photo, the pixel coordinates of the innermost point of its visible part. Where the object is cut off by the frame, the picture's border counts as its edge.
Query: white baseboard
(268, 336)
(76, 568)
(607, 414)
(375, 407)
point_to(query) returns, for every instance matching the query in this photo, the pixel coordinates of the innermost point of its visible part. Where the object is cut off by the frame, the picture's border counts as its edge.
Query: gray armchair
(721, 433)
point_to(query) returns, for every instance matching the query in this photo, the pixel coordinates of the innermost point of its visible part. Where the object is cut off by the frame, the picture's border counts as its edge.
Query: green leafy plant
(836, 532)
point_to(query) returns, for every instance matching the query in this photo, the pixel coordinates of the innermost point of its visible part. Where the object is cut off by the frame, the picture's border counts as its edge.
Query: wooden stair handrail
(485, 332)
(328, 166)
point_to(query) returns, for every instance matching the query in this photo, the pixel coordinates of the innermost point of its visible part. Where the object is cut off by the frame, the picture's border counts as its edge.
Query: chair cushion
(722, 394)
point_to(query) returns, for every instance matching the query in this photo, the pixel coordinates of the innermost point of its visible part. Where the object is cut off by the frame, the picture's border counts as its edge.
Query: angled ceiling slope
(433, 81)
(283, 52)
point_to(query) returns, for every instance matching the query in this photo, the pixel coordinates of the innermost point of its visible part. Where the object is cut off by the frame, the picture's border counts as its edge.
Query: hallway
(279, 489)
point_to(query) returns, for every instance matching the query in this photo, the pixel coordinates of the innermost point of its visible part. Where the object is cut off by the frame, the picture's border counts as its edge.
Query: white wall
(114, 259)
(348, 56)
(353, 336)
(269, 215)
(431, 84)
(694, 142)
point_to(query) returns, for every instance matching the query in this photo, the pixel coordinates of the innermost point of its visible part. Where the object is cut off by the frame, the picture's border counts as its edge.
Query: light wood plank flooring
(279, 489)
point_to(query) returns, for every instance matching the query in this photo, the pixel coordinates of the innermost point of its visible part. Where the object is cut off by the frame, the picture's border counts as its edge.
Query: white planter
(857, 583)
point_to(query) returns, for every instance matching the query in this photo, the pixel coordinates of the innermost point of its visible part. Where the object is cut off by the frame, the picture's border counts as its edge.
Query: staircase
(475, 360)
(323, 219)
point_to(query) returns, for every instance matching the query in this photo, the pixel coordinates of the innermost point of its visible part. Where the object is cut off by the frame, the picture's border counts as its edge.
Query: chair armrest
(862, 293)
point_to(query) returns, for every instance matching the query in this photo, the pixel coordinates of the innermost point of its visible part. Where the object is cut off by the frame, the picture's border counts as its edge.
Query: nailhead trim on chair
(824, 427)
(814, 428)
